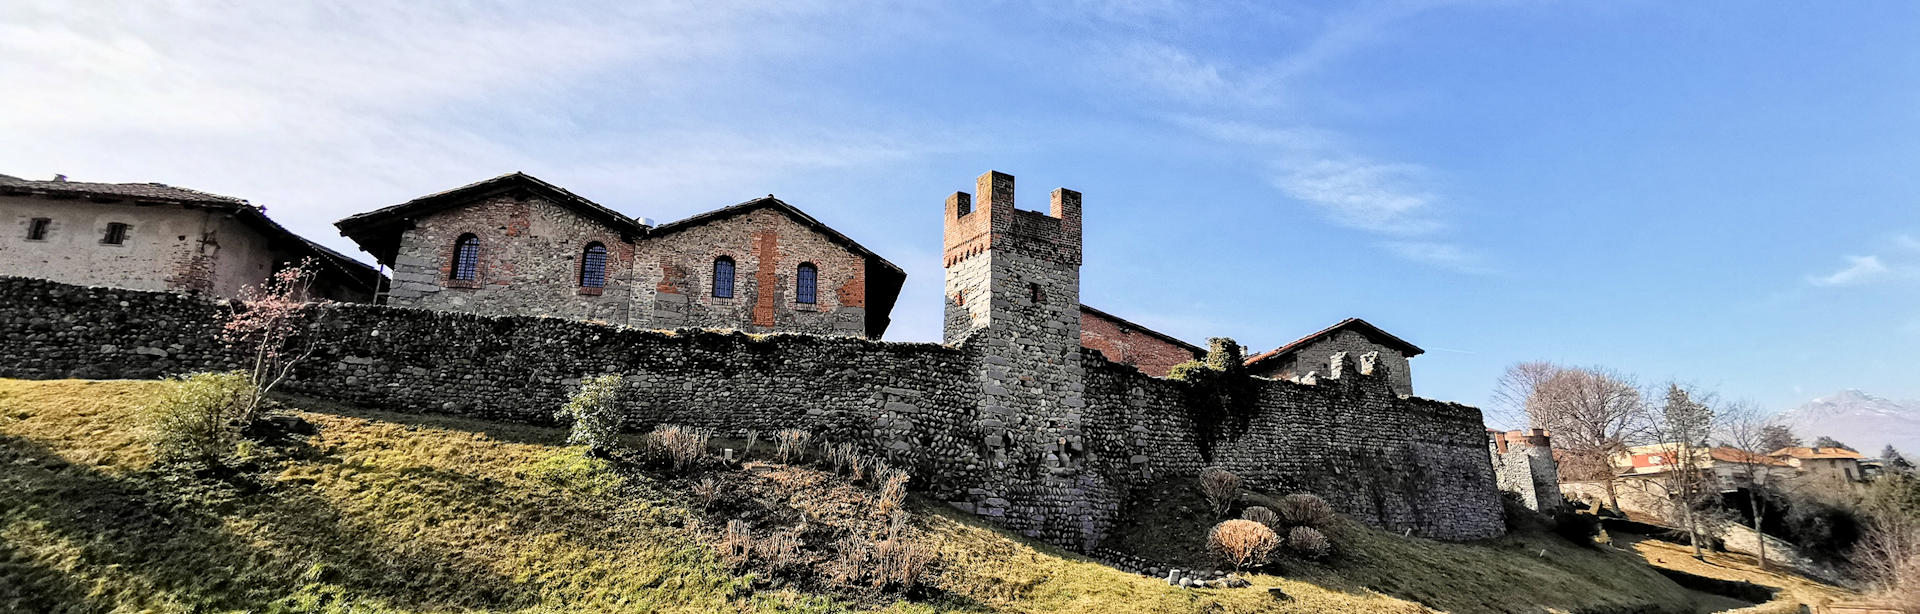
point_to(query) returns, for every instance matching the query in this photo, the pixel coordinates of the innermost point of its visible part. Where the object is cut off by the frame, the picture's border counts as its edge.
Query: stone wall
(1523, 464)
(1060, 470)
(529, 262)
(675, 278)
(1315, 356)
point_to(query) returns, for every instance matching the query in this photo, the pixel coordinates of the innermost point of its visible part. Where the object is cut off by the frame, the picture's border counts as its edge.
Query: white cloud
(1371, 196)
(1906, 241)
(321, 110)
(1443, 255)
(1859, 269)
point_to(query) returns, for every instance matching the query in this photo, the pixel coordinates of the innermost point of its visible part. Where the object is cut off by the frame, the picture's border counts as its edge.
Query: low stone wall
(1396, 462)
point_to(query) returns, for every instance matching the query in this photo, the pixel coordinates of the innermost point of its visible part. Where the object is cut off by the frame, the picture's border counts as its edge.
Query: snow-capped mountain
(1863, 421)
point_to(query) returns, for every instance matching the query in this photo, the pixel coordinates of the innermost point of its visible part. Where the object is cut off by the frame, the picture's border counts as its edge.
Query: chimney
(59, 177)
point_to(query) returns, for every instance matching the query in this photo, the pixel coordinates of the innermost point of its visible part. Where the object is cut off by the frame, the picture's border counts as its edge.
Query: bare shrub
(1262, 515)
(1220, 487)
(1308, 543)
(199, 417)
(679, 446)
(736, 545)
(264, 322)
(753, 441)
(842, 457)
(594, 413)
(893, 491)
(1304, 510)
(780, 552)
(898, 562)
(791, 445)
(1242, 542)
(708, 491)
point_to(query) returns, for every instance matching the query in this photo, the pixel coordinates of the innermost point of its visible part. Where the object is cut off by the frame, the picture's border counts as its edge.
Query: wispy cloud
(1439, 254)
(1859, 269)
(1907, 241)
(1311, 165)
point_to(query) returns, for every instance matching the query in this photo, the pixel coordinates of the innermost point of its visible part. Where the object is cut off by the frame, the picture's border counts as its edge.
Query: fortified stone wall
(675, 278)
(529, 262)
(1523, 465)
(1061, 473)
(1391, 461)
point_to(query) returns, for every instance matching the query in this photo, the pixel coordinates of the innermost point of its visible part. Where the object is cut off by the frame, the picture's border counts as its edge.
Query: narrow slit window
(466, 258)
(804, 282)
(723, 277)
(593, 266)
(116, 234)
(37, 229)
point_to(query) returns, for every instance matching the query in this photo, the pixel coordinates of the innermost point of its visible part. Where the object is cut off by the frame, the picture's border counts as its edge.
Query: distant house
(1641, 483)
(1152, 352)
(151, 236)
(1353, 336)
(1822, 467)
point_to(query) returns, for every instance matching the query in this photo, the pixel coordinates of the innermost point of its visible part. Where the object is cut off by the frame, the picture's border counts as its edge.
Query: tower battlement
(993, 222)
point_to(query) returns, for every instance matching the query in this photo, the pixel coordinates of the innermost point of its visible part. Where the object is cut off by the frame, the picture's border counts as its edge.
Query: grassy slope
(1516, 573)
(1795, 591)
(413, 514)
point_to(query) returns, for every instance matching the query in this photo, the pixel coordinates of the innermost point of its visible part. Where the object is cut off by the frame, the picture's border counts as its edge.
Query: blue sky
(1727, 193)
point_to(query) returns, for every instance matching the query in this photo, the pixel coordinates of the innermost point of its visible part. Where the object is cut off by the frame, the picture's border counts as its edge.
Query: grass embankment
(1794, 591)
(1517, 573)
(393, 513)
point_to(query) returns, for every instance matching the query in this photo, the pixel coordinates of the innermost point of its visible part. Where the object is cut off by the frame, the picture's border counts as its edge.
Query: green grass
(395, 513)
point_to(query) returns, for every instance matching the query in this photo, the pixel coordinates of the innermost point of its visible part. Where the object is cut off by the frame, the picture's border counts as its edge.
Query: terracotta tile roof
(1356, 324)
(1736, 455)
(146, 192)
(1816, 453)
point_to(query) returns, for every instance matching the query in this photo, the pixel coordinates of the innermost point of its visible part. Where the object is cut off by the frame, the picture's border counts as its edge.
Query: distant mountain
(1863, 421)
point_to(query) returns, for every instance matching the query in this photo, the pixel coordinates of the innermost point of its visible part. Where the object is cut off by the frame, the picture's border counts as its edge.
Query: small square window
(37, 229)
(116, 234)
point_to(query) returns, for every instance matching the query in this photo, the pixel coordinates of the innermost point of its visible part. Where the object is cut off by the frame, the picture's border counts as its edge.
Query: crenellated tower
(1013, 300)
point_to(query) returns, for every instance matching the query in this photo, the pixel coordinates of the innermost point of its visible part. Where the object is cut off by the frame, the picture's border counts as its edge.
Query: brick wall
(1125, 343)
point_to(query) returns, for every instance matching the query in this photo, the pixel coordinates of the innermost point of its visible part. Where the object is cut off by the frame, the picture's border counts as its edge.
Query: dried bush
(780, 552)
(1308, 543)
(708, 491)
(681, 447)
(1242, 542)
(1220, 487)
(199, 417)
(893, 491)
(791, 445)
(898, 562)
(595, 414)
(842, 457)
(753, 441)
(1262, 515)
(1304, 510)
(736, 545)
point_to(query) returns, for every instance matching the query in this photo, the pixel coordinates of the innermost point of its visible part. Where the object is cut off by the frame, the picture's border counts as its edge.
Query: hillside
(1857, 419)
(395, 513)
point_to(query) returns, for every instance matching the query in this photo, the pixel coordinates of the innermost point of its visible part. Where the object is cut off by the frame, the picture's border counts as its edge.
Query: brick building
(1353, 336)
(151, 236)
(516, 245)
(1152, 352)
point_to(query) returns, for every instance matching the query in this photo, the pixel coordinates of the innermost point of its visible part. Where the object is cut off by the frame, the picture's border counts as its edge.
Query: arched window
(466, 257)
(804, 281)
(593, 266)
(723, 277)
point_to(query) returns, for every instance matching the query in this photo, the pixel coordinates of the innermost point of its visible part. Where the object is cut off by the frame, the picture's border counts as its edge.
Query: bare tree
(1592, 412)
(1680, 426)
(264, 322)
(1744, 428)
(1515, 391)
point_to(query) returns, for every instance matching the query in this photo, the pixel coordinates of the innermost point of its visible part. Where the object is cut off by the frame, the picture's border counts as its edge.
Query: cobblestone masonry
(1011, 418)
(1523, 465)
(1315, 357)
(530, 256)
(676, 278)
